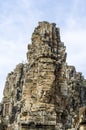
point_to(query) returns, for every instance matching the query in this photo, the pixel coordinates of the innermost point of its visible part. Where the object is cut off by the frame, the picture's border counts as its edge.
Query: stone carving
(45, 93)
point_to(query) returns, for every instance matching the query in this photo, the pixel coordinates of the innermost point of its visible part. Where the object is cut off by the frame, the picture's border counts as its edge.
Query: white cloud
(19, 18)
(75, 42)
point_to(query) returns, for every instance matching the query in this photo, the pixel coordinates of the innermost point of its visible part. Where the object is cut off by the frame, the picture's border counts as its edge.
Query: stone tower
(45, 56)
(45, 93)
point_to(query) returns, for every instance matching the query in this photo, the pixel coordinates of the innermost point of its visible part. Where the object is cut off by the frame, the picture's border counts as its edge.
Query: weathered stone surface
(45, 93)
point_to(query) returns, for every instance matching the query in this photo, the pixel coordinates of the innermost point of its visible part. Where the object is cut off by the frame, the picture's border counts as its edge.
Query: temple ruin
(45, 93)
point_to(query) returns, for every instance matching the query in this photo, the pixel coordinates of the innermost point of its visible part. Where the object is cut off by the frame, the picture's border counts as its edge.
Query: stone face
(45, 93)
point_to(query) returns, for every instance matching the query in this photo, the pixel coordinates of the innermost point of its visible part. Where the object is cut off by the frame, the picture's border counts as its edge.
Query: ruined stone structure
(45, 93)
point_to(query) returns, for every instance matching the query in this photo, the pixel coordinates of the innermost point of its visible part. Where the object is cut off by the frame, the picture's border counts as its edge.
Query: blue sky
(18, 18)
